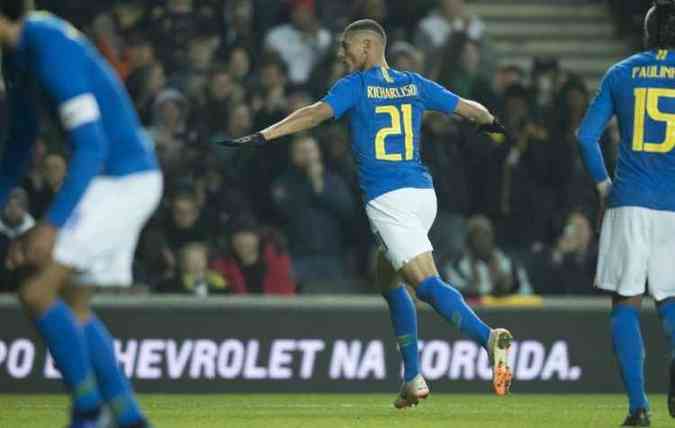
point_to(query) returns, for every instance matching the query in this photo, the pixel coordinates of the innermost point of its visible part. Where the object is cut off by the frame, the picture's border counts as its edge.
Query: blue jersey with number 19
(640, 91)
(385, 109)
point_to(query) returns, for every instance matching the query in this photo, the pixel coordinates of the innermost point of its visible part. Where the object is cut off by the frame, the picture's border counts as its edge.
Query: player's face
(352, 54)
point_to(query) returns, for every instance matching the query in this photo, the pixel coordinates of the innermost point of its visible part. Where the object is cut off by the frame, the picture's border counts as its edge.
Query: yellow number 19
(647, 105)
(395, 129)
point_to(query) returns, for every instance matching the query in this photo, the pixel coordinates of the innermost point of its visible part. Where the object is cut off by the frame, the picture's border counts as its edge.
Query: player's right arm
(300, 120)
(340, 99)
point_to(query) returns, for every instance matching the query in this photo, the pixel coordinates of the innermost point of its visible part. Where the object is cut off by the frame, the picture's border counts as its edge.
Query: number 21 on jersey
(395, 129)
(647, 107)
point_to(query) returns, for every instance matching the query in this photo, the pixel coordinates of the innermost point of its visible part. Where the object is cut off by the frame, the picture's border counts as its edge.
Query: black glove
(492, 128)
(256, 139)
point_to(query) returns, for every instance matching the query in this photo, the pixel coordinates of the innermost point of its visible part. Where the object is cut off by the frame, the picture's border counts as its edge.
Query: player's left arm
(341, 98)
(438, 98)
(64, 73)
(593, 125)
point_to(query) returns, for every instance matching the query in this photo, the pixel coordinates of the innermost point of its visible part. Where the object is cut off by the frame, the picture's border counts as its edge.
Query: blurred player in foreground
(89, 233)
(385, 107)
(637, 243)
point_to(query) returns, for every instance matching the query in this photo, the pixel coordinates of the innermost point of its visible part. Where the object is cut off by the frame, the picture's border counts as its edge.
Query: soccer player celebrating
(637, 242)
(88, 235)
(385, 107)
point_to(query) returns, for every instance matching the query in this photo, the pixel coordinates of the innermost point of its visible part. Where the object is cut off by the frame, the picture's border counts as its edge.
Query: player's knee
(35, 295)
(635, 301)
(78, 298)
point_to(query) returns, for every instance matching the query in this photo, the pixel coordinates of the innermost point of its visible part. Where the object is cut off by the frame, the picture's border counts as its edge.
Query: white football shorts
(637, 249)
(100, 237)
(401, 220)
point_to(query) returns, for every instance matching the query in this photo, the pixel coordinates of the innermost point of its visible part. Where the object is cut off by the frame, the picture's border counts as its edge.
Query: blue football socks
(667, 314)
(65, 340)
(630, 352)
(450, 304)
(113, 384)
(404, 319)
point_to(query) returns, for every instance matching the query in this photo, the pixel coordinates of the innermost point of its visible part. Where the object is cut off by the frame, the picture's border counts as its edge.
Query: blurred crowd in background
(515, 216)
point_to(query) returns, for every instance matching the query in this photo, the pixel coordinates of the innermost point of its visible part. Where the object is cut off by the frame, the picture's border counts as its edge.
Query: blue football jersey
(55, 62)
(640, 91)
(385, 109)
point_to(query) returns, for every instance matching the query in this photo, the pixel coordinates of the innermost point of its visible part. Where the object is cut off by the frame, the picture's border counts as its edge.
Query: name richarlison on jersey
(654, 72)
(390, 93)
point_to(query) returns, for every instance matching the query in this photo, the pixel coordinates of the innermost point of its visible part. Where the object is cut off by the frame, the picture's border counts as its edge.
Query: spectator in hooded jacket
(255, 265)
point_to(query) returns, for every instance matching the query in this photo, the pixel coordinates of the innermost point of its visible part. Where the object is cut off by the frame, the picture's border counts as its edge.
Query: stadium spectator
(194, 73)
(302, 43)
(568, 267)
(144, 84)
(174, 136)
(170, 114)
(15, 218)
(507, 75)
(404, 56)
(484, 269)
(337, 151)
(35, 184)
(14, 221)
(174, 24)
(139, 52)
(270, 101)
(255, 265)
(527, 176)
(315, 206)
(239, 122)
(224, 197)
(110, 42)
(444, 144)
(44, 181)
(546, 79)
(449, 17)
(215, 108)
(193, 275)
(239, 66)
(185, 223)
(460, 70)
(577, 189)
(239, 27)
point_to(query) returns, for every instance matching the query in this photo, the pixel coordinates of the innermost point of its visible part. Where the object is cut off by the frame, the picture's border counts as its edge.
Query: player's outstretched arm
(476, 113)
(300, 120)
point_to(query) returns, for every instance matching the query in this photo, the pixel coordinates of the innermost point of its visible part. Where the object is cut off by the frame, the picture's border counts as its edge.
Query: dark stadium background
(517, 217)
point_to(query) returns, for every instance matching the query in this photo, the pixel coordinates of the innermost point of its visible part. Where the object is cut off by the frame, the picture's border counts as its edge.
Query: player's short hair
(14, 9)
(660, 25)
(367, 25)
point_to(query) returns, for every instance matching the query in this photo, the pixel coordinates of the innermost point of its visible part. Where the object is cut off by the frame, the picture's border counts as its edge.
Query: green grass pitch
(344, 411)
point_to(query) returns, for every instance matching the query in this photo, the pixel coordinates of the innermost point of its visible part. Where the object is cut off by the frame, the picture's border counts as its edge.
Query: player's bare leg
(388, 282)
(421, 272)
(629, 350)
(666, 309)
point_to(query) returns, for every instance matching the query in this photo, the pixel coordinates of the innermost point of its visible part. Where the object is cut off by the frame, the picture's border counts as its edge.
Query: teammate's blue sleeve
(437, 97)
(22, 132)
(343, 95)
(598, 115)
(63, 70)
